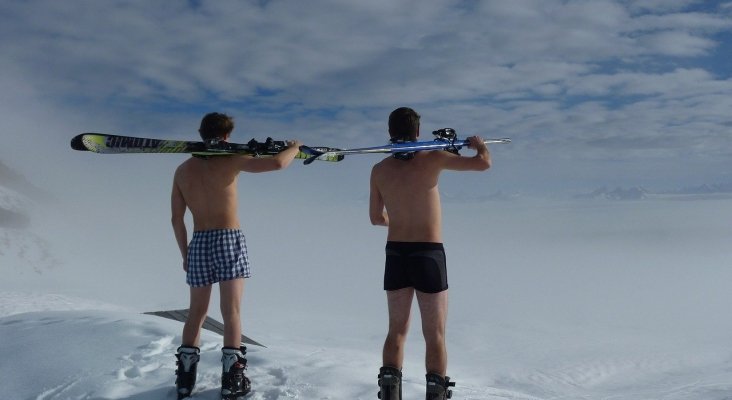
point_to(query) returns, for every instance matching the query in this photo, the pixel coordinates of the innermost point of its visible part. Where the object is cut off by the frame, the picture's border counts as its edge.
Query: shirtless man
(217, 251)
(405, 198)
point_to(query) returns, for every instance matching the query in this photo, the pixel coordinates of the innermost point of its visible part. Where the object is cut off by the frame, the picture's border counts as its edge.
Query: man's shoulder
(184, 165)
(381, 164)
(436, 158)
(435, 154)
(181, 167)
(420, 160)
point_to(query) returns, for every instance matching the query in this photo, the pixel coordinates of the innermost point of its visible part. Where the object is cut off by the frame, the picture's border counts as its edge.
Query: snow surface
(548, 300)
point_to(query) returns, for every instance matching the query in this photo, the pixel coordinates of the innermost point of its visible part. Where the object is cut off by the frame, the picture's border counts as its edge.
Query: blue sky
(593, 93)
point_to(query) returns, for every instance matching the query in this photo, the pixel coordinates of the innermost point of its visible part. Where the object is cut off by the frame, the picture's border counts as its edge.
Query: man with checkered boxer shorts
(217, 252)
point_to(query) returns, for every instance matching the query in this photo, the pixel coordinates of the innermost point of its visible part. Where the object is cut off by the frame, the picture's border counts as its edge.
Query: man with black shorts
(217, 252)
(404, 197)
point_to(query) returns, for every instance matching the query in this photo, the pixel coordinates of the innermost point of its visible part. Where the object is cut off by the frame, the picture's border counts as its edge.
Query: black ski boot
(390, 383)
(234, 384)
(186, 372)
(438, 387)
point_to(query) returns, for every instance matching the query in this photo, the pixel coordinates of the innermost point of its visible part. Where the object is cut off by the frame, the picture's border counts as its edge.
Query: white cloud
(681, 44)
(660, 5)
(579, 72)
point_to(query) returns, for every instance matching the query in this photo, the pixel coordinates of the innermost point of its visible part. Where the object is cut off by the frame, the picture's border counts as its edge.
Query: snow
(548, 300)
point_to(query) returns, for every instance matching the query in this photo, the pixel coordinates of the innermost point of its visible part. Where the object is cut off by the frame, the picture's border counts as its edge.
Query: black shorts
(420, 265)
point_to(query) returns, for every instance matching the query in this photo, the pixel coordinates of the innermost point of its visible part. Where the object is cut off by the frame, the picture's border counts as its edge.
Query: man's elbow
(279, 164)
(267, 165)
(379, 220)
(483, 164)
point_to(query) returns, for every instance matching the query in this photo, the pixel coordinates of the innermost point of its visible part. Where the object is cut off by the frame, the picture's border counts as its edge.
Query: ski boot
(438, 387)
(390, 383)
(234, 384)
(186, 372)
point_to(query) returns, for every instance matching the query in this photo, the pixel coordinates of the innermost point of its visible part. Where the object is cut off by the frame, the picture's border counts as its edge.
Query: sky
(593, 93)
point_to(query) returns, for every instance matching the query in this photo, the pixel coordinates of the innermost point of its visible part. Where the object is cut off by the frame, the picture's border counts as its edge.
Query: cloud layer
(600, 80)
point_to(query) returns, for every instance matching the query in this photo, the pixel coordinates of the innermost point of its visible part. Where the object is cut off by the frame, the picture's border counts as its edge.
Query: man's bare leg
(400, 304)
(433, 310)
(197, 311)
(231, 292)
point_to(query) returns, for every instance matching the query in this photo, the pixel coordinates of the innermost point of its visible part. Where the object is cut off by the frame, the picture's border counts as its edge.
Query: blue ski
(445, 140)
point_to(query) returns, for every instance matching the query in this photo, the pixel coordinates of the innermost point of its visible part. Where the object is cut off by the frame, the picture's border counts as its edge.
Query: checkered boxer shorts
(217, 255)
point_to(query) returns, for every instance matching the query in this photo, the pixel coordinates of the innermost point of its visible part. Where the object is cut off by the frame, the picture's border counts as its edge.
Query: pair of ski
(115, 144)
(445, 139)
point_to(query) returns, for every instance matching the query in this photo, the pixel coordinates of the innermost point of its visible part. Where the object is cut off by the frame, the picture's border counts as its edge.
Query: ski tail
(116, 144)
(323, 154)
(497, 141)
(77, 143)
(311, 154)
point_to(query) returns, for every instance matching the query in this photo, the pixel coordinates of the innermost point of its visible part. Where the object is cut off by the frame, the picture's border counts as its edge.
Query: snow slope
(122, 355)
(549, 300)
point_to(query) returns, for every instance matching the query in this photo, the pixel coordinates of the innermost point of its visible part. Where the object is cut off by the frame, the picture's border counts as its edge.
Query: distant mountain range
(463, 198)
(21, 249)
(640, 193)
(13, 208)
(634, 193)
(11, 179)
(707, 189)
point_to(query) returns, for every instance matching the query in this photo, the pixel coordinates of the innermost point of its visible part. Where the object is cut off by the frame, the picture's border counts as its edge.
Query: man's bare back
(208, 187)
(405, 196)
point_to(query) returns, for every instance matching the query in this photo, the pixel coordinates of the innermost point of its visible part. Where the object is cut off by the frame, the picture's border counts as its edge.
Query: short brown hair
(404, 124)
(216, 126)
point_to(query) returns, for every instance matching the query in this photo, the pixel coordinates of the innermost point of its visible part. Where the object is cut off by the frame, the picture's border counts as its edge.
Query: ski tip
(310, 159)
(77, 143)
(311, 153)
(497, 141)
